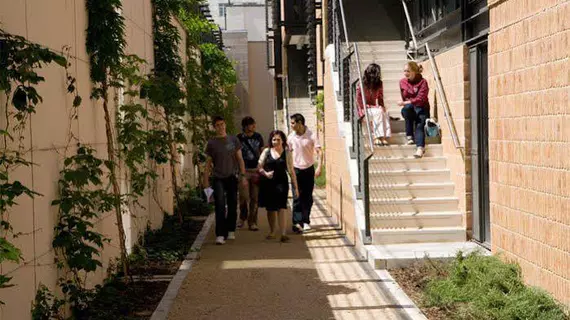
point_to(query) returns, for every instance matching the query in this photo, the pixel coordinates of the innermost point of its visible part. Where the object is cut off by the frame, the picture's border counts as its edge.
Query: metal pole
(443, 98)
(362, 96)
(344, 25)
(410, 24)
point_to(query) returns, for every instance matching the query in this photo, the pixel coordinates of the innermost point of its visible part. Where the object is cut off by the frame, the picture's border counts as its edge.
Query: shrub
(485, 287)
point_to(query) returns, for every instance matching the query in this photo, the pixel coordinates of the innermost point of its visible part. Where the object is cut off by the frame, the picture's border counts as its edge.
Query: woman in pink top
(374, 96)
(415, 105)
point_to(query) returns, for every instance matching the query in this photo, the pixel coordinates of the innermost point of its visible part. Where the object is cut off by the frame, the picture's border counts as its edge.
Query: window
(427, 12)
(222, 9)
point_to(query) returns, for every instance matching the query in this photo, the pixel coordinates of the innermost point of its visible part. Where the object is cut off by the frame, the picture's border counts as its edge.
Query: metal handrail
(443, 98)
(410, 24)
(361, 83)
(437, 78)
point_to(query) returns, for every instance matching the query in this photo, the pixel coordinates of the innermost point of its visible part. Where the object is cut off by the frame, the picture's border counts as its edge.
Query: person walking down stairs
(415, 105)
(374, 96)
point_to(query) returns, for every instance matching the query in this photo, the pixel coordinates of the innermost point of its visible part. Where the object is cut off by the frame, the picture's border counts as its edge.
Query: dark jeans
(225, 189)
(416, 117)
(304, 201)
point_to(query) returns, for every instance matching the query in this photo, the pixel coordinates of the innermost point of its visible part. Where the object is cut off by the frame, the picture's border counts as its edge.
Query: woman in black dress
(274, 163)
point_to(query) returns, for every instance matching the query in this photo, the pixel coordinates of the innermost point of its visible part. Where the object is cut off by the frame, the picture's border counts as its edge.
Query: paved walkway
(315, 276)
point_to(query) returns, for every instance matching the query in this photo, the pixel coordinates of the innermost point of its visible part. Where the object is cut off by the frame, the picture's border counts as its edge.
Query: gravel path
(315, 276)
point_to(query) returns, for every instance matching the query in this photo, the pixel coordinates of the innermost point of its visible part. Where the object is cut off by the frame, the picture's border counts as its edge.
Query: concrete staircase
(412, 201)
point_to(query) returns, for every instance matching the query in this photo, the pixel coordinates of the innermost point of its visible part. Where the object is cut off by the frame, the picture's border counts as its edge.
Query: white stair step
(368, 46)
(415, 190)
(390, 256)
(393, 64)
(416, 220)
(398, 151)
(402, 205)
(381, 57)
(408, 176)
(407, 163)
(416, 235)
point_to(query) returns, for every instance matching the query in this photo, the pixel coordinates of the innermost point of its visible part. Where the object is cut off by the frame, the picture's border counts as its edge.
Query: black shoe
(297, 228)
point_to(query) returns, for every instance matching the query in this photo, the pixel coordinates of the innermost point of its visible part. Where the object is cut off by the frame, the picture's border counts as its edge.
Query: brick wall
(453, 70)
(529, 135)
(340, 192)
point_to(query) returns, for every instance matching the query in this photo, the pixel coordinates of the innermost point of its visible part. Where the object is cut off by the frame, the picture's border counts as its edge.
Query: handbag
(432, 131)
(254, 176)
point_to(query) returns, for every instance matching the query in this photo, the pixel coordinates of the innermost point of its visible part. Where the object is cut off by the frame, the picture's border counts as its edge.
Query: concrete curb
(411, 309)
(161, 311)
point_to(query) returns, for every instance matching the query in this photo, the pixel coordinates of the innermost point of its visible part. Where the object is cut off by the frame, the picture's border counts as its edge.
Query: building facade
(245, 43)
(504, 67)
(48, 143)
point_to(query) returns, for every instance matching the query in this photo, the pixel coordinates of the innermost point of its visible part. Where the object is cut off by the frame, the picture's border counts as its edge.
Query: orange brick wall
(529, 135)
(340, 192)
(453, 70)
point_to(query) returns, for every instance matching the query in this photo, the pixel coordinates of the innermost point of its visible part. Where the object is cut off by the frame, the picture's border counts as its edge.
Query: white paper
(209, 192)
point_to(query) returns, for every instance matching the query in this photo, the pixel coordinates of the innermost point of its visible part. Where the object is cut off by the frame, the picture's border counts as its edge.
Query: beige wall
(529, 87)
(453, 70)
(340, 192)
(56, 24)
(261, 89)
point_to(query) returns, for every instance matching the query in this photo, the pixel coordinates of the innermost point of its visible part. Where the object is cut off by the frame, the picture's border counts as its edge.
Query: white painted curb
(161, 311)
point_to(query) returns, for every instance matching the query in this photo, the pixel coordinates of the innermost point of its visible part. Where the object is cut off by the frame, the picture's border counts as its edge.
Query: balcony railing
(348, 65)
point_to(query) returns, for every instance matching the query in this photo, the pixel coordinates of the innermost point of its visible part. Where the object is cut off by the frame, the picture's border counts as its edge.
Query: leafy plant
(481, 287)
(105, 45)
(164, 85)
(46, 306)
(320, 109)
(20, 61)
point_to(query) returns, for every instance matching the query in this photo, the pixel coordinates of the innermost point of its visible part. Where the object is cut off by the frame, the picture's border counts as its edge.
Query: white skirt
(379, 123)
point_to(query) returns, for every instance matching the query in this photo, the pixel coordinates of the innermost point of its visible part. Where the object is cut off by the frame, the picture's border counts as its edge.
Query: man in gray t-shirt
(224, 154)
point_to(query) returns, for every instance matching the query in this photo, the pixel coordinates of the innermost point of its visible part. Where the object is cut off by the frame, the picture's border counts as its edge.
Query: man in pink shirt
(304, 143)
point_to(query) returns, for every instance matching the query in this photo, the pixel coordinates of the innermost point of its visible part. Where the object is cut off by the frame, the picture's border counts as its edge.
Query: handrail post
(366, 189)
(363, 97)
(443, 98)
(344, 25)
(410, 24)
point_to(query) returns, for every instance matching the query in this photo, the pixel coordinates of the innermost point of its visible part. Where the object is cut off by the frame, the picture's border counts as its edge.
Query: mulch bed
(413, 280)
(137, 300)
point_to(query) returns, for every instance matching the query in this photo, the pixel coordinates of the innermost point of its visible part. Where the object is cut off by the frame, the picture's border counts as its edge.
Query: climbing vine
(210, 80)
(20, 61)
(105, 45)
(82, 200)
(164, 89)
(183, 97)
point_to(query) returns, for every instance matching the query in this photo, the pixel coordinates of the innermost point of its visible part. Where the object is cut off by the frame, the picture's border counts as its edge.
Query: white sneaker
(410, 140)
(231, 236)
(419, 152)
(220, 240)
(307, 227)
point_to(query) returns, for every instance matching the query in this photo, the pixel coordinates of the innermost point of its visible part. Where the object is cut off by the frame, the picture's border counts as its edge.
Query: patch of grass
(484, 287)
(321, 181)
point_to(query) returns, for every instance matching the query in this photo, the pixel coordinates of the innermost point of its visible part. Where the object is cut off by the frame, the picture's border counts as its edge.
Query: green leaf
(20, 99)
(60, 60)
(8, 251)
(77, 101)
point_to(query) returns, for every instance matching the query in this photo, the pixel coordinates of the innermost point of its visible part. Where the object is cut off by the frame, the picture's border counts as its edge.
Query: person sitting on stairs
(374, 96)
(415, 105)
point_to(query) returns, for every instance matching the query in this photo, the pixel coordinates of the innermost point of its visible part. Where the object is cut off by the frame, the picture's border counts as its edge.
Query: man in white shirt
(304, 143)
